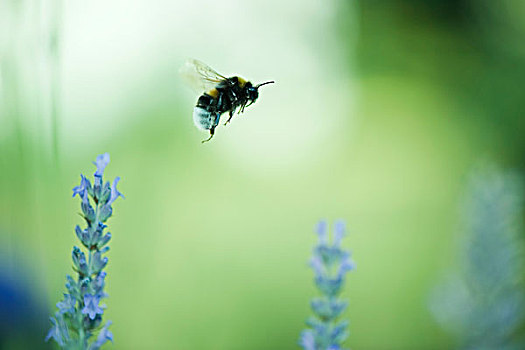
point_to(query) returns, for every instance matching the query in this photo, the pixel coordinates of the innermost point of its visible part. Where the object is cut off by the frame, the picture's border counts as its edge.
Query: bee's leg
(231, 115)
(241, 110)
(212, 131)
(217, 118)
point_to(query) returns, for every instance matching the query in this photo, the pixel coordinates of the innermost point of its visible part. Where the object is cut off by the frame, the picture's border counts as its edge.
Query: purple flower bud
(84, 286)
(99, 283)
(82, 235)
(339, 232)
(59, 330)
(330, 287)
(105, 212)
(347, 264)
(114, 192)
(307, 340)
(104, 335)
(67, 305)
(91, 307)
(87, 209)
(101, 162)
(321, 230)
(84, 186)
(317, 265)
(79, 261)
(71, 285)
(98, 263)
(327, 309)
(339, 333)
(104, 240)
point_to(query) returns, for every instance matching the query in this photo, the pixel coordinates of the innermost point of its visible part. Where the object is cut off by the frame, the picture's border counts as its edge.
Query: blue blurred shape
(23, 314)
(483, 302)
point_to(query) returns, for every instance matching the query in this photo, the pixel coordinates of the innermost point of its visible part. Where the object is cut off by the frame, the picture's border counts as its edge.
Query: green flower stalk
(79, 314)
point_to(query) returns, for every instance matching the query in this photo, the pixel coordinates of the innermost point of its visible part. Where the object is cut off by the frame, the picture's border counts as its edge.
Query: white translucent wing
(199, 76)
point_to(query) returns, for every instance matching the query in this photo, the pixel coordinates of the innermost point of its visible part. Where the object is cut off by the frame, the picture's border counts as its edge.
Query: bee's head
(253, 91)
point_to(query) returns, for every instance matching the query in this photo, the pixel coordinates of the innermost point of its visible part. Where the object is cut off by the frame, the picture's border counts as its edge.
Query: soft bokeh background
(379, 110)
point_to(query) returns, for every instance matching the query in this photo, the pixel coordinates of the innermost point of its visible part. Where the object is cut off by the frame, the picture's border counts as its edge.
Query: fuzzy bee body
(202, 118)
(223, 95)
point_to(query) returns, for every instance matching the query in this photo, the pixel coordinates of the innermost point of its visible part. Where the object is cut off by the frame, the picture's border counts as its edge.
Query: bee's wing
(199, 76)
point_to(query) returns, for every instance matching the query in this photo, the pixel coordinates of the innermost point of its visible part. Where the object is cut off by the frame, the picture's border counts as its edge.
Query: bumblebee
(221, 95)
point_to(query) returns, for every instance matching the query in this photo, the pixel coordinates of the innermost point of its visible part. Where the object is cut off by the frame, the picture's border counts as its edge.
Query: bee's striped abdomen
(203, 116)
(214, 93)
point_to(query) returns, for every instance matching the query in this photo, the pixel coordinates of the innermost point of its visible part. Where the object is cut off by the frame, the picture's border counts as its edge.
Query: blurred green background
(379, 110)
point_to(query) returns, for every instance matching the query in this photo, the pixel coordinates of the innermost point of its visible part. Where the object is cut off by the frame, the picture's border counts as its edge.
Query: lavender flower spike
(79, 314)
(330, 264)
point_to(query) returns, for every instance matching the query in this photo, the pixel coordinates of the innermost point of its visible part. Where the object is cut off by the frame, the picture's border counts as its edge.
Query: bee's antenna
(268, 82)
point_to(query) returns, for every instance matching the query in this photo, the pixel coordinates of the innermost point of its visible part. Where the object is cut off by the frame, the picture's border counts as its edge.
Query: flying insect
(219, 94)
